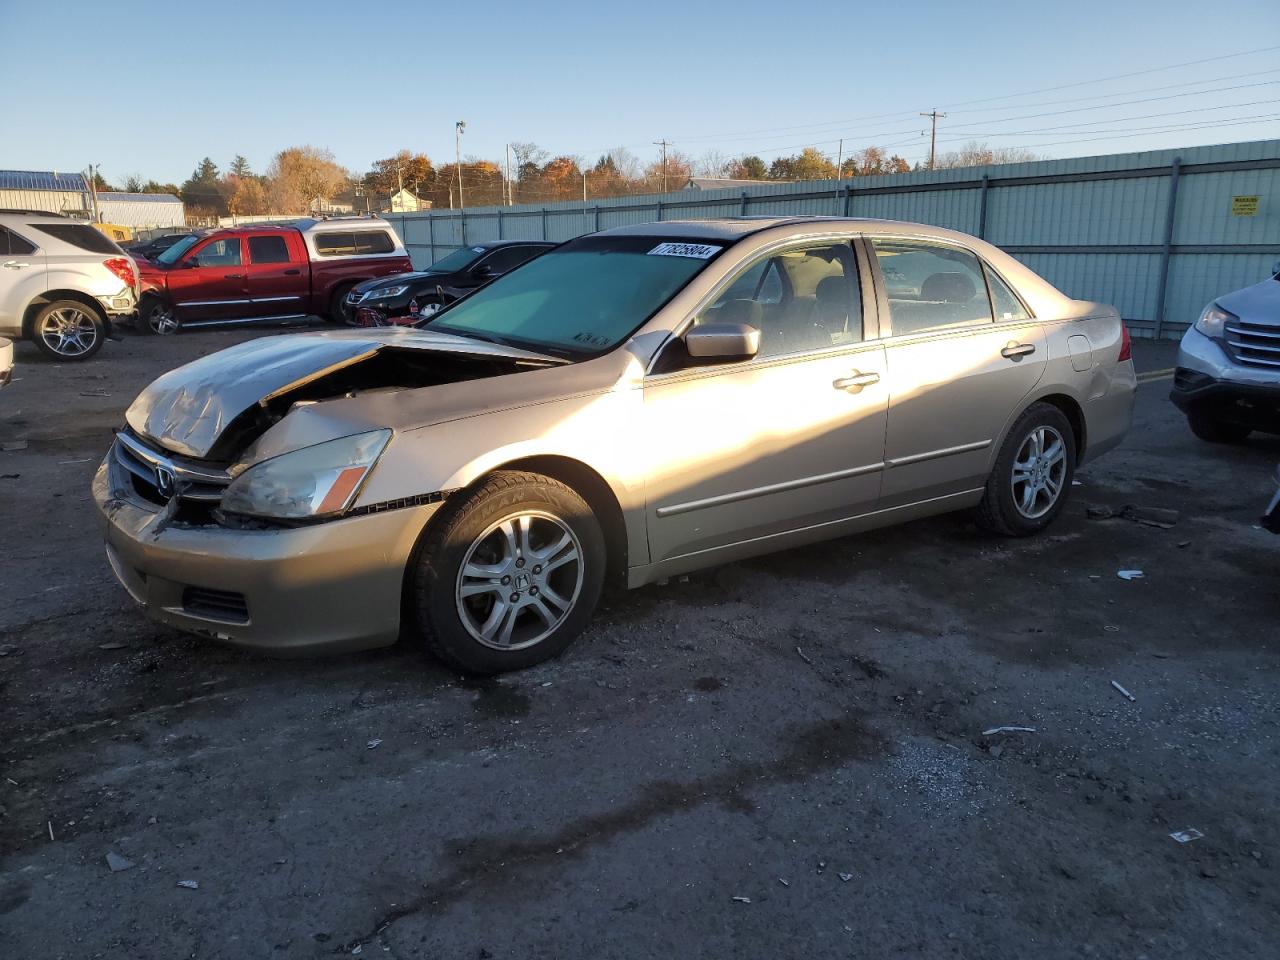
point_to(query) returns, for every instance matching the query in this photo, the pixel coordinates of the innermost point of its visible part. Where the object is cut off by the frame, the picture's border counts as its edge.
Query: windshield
(585, 297)
(457, 260)
(174, 253)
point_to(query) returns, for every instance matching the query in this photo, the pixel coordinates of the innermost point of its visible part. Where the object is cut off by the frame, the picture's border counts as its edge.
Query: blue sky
(578, 78)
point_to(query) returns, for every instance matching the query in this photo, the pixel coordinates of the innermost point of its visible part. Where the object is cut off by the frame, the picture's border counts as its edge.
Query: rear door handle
(15, 265)
(856, 381)
(293, 273)
(1016, 351)
(233, 276)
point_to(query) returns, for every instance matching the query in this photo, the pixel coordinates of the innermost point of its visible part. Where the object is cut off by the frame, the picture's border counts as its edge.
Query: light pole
(458, 128)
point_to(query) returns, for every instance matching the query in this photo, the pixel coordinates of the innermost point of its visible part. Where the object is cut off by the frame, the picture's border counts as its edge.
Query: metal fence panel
(1154, 232)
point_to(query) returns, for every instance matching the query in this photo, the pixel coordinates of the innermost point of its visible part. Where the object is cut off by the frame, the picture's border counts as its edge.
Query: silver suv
(61, 283)
(1228, 377)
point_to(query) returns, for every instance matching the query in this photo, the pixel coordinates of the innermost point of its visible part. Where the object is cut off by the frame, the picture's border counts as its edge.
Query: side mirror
(482, 272)
(723, 341)
(193, 262)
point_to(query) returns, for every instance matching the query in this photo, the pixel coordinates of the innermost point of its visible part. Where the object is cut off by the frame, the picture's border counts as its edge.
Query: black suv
(409, 299)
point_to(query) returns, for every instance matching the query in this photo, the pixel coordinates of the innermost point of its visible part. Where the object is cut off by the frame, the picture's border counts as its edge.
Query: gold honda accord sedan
(634, 404)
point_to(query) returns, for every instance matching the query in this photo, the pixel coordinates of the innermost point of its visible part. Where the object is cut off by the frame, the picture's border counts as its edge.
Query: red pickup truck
(267, 272)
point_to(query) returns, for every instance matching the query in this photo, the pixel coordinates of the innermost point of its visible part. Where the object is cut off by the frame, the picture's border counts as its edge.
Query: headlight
(385, 292)
(318, 481)
(1213, 319)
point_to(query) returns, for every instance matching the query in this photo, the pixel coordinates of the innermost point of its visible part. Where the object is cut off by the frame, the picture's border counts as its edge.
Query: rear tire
(338, 312)
(68, 330)
(1218, 431)
(1032, 475)
(509, 575)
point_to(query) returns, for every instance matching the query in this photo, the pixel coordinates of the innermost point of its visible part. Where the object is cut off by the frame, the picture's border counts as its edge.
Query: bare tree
(975, 153)
(714, 164)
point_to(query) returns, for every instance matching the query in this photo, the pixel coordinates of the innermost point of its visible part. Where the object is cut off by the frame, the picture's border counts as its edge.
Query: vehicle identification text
(699, 251)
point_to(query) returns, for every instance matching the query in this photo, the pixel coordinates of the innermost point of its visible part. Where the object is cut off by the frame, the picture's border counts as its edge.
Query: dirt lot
(780, 758)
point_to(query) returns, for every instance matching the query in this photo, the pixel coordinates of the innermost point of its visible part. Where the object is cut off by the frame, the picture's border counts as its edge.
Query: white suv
(61, 282)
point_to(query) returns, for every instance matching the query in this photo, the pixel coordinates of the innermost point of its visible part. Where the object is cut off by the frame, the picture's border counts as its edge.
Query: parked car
(61, 283)
(6, 361)
(265, 273)
(1227, 380)
(411, 298)
(155, 246)
(632, 405)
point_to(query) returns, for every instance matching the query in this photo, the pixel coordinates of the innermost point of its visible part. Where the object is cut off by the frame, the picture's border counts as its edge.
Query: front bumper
(1208, 383)
(325, 587)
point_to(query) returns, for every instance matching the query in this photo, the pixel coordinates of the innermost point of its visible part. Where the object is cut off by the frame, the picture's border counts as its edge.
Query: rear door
(276, 274)
(956, 371)
(22, 277)
(209, 284)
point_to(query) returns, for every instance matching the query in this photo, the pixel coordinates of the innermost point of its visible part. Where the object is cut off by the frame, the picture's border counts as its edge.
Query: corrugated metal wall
(1100, 228)
(55, 201)
(142, 213)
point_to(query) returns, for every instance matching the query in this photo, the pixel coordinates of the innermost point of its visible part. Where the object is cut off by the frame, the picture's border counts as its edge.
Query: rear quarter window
(357, 242)
(13, 245)
(79, 235)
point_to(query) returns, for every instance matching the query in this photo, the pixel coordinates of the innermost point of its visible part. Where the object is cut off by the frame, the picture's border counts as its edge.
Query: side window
(335, 244)
(268, 250)
(802, 299)
(931, 286)
(224, 252)
(374, 241)
(12, 245)
(1008, 306)
(508, 258)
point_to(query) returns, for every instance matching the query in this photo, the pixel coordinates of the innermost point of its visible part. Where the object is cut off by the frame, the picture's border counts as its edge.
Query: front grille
(354, 297)
(215, 605)
(158, 476)
(1255, 344)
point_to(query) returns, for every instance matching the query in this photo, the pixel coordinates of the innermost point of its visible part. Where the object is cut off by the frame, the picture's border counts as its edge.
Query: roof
(725, 229)
(138, 197)
(42, 180)
(725, 183)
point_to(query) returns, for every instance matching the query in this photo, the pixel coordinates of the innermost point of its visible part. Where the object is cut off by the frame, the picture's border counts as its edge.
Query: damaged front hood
(1259, 303)
(188, 408)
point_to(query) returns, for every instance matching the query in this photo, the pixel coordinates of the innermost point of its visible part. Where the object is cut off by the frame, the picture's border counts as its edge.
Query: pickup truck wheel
(68, 330)
(509, 575)
(1218, 431)
(338, 312)
(158, 317)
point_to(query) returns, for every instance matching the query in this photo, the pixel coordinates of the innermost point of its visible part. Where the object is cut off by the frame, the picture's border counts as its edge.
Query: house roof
(138, 197)
(42, 180)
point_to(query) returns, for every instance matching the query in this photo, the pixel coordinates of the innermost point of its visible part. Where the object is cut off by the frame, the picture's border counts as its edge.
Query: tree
(673, 176)
(414, 170)
(133, 183)
(249, 198)
(300, 176)
(714, 164)
(101, 185)
(748, 168)
(152, 186)
(809, 164)
(240, 167)
(202, 192)
(978, 154)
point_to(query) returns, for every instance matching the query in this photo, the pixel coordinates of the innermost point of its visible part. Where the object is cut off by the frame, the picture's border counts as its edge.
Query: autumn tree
(249, 197)
(747, 168)
(671, 175)
(300, 176)
(413, 170)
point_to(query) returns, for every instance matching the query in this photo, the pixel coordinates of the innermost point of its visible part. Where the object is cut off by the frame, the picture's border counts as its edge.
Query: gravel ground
(783, 757)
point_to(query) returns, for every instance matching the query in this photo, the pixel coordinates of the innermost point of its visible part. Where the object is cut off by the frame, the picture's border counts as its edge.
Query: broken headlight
(318, 481)
(1213, 319)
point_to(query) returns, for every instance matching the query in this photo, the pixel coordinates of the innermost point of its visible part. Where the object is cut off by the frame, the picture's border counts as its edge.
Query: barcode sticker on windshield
(699, 251)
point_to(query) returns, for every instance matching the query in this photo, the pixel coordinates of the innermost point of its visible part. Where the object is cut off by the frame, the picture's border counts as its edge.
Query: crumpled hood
(188, 408)
(1259, 303)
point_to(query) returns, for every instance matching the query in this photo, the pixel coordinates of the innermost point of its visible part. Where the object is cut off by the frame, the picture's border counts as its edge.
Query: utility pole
(458, 128)
(584, 186)
(510, 185)
(934, 116)
(840, 159)
(663, 144)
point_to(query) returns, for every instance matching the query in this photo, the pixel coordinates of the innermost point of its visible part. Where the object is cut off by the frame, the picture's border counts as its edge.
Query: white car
(6, 361)
(62, 281)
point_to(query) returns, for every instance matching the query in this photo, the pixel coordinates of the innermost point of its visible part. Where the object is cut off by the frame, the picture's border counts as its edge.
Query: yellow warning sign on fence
(1244, 206)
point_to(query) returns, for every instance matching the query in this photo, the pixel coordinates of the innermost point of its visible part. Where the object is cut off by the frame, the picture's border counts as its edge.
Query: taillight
(123, 269)
(1126, 345)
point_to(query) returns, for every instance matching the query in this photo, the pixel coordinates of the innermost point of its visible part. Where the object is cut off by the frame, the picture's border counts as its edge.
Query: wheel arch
(52, 296)
(1070, 408)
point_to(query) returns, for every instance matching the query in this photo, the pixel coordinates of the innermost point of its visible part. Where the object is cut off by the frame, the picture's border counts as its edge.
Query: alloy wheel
(520, 579)
(1039, 472)
(69, 331)
(161, 319)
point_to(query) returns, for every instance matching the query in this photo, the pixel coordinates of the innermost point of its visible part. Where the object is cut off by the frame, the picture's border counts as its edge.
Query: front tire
(509, 575)
(157, 316)
(68, 330)
(1218, 431)
(1028, 485)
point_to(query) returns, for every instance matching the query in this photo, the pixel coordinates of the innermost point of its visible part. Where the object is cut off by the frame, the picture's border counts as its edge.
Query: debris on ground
(189, 884)
(372, 744)
(9, 649)
(118, 863)
(783, 882)
(94, 393)
(1130, 574)
(1099, 513)
(1131, 697)
(1183, 544)
(846, 877)
(10, 476)
(741, 899)
(994, 730)
(10, 445)
(112, 646)
(803, 657)
(1187, 835)
(1150, 516)
(49, 824)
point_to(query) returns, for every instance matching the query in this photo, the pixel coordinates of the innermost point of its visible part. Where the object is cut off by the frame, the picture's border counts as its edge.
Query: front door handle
(293, 273)
(15, 265)
(233, 276)
(856, 381)
(1016, 351)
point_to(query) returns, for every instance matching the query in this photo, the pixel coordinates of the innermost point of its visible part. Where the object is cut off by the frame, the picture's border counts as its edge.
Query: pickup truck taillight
(123, 269)
(1126, 345)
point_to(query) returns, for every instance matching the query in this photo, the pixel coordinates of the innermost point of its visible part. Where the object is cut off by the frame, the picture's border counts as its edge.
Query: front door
(213, 286)
(790, 439)
(957, 371)
(276, 276)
